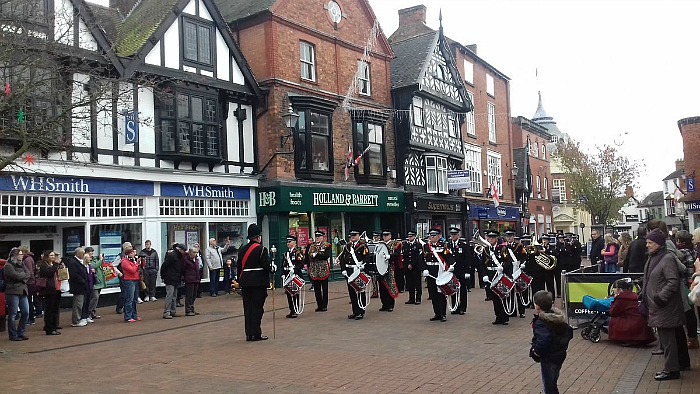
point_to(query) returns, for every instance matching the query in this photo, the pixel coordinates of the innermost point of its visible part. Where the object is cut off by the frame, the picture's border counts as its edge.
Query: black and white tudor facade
(165, 153)
(430, 103)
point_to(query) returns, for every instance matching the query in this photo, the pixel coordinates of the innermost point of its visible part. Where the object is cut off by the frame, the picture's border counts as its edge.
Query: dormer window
(197, 42)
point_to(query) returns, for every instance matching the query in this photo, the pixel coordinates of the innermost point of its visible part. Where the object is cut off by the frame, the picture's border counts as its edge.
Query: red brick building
(311, 56)
(534, 186)
(690, 132)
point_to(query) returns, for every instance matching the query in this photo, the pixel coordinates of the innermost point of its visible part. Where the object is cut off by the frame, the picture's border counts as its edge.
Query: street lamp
(290, 120)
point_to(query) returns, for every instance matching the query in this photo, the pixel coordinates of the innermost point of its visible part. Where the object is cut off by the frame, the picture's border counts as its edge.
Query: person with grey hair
(16, 277)
(191, 275)
(78, 282)
(215, 261)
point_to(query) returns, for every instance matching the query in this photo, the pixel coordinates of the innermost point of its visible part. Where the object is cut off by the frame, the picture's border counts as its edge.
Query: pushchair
(600, 319)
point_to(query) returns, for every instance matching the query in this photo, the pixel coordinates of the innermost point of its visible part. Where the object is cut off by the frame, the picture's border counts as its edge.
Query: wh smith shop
(61, 213)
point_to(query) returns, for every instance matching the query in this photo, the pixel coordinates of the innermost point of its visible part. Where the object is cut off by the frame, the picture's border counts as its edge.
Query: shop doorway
(38, 246)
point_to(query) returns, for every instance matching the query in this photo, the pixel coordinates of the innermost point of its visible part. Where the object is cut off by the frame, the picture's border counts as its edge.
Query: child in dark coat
(627, 326)
(550, 340)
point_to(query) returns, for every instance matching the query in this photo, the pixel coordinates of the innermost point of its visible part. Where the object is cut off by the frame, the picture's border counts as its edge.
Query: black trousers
(356, 310)
(291, 300)
(387, 300)
(498, 310)
(557, 280)
(682, 348)
(253, 309)
(51, 310)
(400, 277)
(321, 293)
(543, 280)
(463, 283)
(413, 284)
(438, 299)
(190, 296)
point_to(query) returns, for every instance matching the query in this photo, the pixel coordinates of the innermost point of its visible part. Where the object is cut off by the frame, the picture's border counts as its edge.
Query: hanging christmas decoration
(20, 116)
(28, 159)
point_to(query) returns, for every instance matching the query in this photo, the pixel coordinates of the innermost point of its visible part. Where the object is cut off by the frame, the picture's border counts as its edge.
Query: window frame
(364, 78)
(310, 63)
(363, 172)
(491, 120)
(469, 72)
(544, 151)
(536, 151)
(545, 188)
(490, 85)
(539, 187)
(440, 174)
(43, 21)
(474, 151)
(198, 23)
(470, 120)
(178, 119)
(421, 108)
(495, 172)
(307, 133)
(560, 184)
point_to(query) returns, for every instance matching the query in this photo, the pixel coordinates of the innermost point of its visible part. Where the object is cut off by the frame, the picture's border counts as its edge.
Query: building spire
(541, 115)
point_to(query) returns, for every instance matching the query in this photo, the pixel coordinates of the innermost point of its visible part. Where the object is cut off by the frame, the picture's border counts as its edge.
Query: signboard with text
(287, 199)
(458, 179)
(73, 185)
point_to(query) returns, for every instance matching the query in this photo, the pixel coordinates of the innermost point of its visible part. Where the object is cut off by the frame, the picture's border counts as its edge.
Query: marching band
(512, 270)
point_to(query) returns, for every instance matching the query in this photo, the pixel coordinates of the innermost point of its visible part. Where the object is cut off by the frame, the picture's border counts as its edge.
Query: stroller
(601, 317)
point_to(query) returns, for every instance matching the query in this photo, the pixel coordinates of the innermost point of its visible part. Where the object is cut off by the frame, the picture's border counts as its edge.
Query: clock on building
(334, 11)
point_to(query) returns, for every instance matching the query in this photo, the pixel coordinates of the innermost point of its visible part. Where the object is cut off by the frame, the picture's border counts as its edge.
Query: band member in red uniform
(434, 255)
(293, 261)
(387, 284)
(459, 252)
(412, 253)
(317, 261)
(354, 252)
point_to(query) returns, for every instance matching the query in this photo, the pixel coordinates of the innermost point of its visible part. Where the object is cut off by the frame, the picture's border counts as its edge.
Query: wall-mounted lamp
(290, 120)
(514, 170)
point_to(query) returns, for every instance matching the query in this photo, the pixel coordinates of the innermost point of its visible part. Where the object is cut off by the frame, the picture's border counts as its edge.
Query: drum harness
(359, 266)
(517, 267)
(508, 302)
(299, 301)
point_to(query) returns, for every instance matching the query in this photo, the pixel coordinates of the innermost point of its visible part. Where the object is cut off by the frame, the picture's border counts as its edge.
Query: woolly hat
(657, 236)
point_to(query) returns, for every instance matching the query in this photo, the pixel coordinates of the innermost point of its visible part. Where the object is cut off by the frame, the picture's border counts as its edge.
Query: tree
(55, 85)
(599, 181)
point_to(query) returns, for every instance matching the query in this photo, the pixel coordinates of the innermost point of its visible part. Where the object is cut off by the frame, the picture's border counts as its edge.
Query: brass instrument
(480, 245)
(546, 261)
(313, 249)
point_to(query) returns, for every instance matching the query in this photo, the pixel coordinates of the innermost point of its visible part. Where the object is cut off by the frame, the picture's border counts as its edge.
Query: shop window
(42, 206)
(107, 239)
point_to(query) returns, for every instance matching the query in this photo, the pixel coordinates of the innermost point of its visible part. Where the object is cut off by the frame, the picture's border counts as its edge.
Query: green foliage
(600, 178)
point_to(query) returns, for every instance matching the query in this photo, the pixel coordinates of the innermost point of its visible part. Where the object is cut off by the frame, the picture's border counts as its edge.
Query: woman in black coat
(48, 268)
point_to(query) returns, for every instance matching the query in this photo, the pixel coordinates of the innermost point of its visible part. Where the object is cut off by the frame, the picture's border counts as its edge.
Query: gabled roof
(653, 199)
(411, 56)
(562, 217)
(108, 19)
(674, 175)
(141, 24)
(239, 9)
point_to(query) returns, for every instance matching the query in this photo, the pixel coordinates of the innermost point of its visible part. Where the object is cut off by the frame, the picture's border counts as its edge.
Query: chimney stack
(412, 15)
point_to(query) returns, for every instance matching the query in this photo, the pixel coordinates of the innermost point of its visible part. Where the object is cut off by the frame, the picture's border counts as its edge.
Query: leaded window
(189, 124)
(197, 42)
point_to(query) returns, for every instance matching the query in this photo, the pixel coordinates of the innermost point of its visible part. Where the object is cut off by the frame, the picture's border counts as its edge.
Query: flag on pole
(494, 195)
(358, 158)
(348, 165)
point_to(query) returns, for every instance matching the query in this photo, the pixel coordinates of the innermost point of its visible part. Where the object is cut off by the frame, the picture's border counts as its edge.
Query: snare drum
(501, 286)
(522, 281)
(358, 281)
(447, 283)
(293, 284)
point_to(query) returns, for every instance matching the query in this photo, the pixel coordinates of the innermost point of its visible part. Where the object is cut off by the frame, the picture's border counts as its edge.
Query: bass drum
(381, 258)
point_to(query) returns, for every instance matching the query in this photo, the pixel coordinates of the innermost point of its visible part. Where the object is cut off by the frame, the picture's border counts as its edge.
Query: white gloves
(425, 273)
(273, 267)
(344, 273)
(467, 276)
(485, 279)
(499, 270)
(451, 269)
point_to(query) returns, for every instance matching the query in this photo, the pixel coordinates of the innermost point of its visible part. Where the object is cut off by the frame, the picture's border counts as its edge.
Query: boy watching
(550, 340)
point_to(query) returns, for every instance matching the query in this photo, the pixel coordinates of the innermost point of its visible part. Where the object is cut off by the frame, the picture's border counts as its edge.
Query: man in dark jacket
(78, 282)
(151, 263)
(637, 254)
(254, 277)
(171, 274)
(597, 246)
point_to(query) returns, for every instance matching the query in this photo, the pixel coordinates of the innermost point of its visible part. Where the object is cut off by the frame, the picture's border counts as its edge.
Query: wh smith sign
(73, 185)
(204, 191)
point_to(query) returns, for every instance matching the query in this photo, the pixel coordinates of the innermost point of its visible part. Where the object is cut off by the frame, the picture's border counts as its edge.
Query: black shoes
(436, 318)
(522, 315)
(359, 317)
(663, 375)
(497, 322)
(386, 309)
(657, 352)
(292, 316)
(443, 318)
(257, 338)
(54, 332)
(462, 312)
(455, 313)
(417, 302)
(321, 309)
(409, 302)
(351, 317)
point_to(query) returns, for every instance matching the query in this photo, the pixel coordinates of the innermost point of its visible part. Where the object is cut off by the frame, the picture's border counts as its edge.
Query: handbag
(694, 295)
(142, 285)
(63, 274)
(40, 284)
(65, 287)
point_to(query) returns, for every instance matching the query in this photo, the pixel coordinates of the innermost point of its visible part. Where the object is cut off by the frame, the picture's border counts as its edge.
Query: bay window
(188, 125)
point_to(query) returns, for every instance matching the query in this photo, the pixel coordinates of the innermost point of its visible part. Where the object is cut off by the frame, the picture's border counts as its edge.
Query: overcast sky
(605, 67)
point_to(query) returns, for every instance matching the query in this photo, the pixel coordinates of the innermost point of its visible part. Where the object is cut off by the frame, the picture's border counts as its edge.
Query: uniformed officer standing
(562, 252)
(319, 268)
(435, 255)
(459, 254)
(412, 252)
(519, 253)
(354, 252)
(293, 261)
(254, 269)
(388, 291)
(549, 274)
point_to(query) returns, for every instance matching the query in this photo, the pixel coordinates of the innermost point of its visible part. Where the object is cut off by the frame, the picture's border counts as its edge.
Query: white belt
(432, 263)
(252, 269)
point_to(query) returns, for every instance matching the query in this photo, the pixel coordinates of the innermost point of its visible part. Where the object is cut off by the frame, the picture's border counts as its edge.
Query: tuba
(480, 245)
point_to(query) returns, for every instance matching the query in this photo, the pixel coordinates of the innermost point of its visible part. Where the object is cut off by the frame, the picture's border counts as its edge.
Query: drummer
(355, 249)
(495, 269)
(376, 238)
(461, 256)
(434, 255)
(388, 292)
(293, 262)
